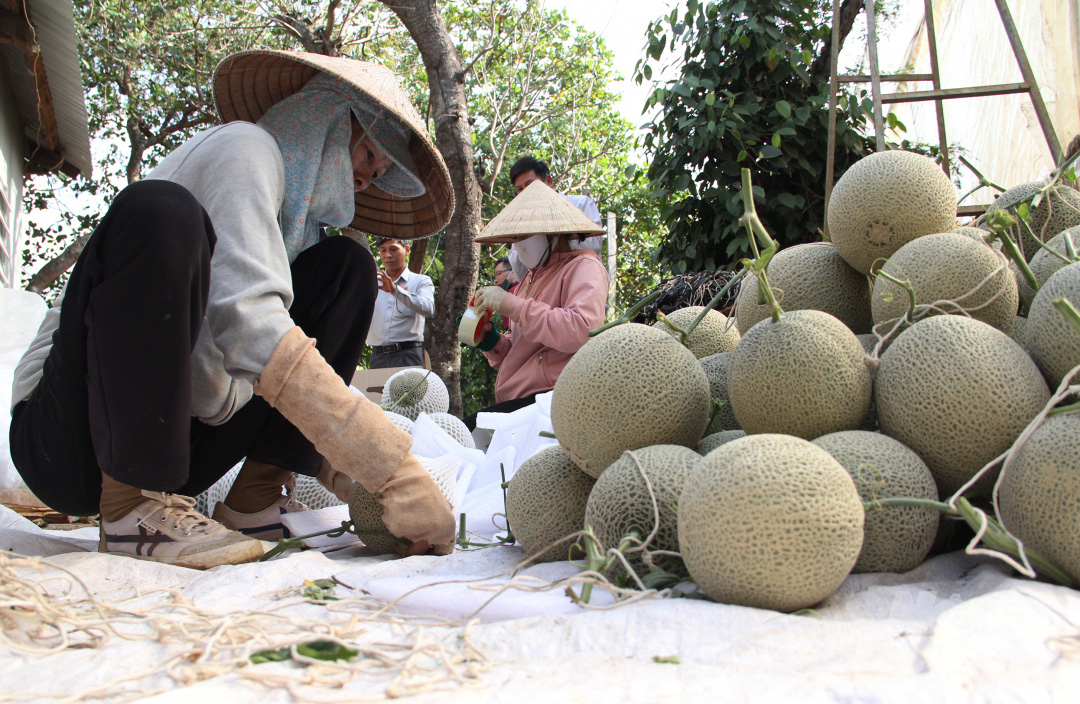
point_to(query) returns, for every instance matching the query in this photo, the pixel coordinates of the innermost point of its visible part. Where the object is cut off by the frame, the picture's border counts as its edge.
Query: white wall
(1001, 134)
(11, 183)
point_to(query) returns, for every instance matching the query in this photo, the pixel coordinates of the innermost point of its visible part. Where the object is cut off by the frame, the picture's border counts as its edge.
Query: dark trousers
(411, 357)
(115, 396)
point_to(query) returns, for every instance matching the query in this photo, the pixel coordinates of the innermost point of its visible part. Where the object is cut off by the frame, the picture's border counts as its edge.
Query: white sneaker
(166, 528)
(263, 525)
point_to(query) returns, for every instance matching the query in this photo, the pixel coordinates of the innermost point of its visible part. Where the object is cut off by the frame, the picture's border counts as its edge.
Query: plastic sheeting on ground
(955, 629)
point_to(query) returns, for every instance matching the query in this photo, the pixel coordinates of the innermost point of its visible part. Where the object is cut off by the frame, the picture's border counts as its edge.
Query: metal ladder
(937, 93)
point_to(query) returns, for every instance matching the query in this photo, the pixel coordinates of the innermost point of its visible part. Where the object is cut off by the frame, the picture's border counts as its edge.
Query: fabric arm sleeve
(564, 328)
(251, 281)
(497, 354)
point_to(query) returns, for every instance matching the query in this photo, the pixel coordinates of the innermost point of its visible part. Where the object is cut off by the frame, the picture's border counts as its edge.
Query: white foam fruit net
(312, 494)
(444, 471)
(435, 400)
(206, 501)
(455, 428)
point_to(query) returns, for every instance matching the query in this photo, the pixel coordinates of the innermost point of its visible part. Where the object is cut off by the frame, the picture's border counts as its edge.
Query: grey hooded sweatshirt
(236, 173)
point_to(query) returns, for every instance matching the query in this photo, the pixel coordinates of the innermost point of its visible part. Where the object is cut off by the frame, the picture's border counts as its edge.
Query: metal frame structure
(937, 93)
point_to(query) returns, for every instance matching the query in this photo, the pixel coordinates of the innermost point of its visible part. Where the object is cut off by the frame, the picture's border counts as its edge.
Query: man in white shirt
(528, 169)
(405, 298)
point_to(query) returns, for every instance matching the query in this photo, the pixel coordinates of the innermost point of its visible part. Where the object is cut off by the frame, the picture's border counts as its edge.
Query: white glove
(489, 297)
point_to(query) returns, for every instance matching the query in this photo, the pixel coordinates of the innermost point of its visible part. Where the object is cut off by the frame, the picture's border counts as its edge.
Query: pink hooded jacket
(553, 311)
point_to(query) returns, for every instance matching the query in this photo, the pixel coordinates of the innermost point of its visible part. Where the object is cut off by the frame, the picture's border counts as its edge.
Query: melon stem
(1061, 170)
(983, 181)
(756, 231)
(684, 333)
(1072, 316)
(995, 536)
(629, 314)
(906, 285)
(711, 305)
(1000, 221)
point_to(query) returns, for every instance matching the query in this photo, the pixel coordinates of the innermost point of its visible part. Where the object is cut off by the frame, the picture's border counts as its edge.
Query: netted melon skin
(366, 512)
(430, 394)
(545, 502)
(1039, 496)
(809, 277)
(897, 538)
(1059, 210)
(770, 521)
(713, 335)
(715, 440)
(620, 500)
(948, 267)
(1053, 344)
(1044, 263)
(716, 369)
(958, 392)
(629, 387)
(884, 201)
(803, 376)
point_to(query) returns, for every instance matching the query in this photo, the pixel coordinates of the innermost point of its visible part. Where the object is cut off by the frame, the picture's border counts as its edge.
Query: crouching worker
(208, 320)
(554, 306)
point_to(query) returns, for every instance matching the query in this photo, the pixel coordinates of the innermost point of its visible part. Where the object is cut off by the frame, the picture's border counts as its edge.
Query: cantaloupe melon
(1039, 494)
(770, 521)
(715, 440)
(809, 277)
(1044, 263)
(366, 513)
(621, 500)
(803, 376)
(545, 502)
(948, 267)
(1058, 211)
(1054, 345)
(884, 201)
(958, 392)
(426, 392)
(631, 386)
(895, 538)
(716, 369)
(713, 335)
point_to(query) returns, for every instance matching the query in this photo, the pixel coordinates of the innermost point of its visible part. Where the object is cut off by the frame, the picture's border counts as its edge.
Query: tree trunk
(55, 267)
(849, 10)
(453, 135)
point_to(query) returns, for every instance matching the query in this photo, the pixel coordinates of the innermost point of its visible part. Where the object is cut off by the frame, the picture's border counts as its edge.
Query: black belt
(395, 347)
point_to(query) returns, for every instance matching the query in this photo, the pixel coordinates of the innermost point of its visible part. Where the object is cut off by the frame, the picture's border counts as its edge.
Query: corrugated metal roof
(54, 31)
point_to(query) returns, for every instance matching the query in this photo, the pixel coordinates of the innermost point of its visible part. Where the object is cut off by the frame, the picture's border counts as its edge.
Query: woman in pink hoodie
(555, 305)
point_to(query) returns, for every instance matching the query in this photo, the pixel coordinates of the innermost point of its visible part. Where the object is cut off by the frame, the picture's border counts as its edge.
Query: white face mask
(516, 265)
(533, 251)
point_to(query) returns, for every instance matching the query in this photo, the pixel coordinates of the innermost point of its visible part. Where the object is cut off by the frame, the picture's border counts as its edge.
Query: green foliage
(745, 98)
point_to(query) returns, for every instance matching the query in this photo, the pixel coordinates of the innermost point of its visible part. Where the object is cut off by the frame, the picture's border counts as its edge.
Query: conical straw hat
(537, 210)
(249, 83)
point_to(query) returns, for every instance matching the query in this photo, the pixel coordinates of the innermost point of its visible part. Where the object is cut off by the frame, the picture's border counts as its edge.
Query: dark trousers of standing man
(115, 395)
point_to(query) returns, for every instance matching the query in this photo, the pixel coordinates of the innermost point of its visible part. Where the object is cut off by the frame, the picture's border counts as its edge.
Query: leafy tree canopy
(746, 96)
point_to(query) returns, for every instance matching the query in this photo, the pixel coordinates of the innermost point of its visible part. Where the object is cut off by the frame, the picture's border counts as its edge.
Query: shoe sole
(235, 554)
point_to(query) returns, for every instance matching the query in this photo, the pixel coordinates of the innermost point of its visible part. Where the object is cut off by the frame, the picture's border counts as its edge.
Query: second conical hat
(537, 210)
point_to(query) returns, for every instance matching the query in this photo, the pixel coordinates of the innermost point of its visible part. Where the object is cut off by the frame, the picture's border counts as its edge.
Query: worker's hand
(489, 297)
(386, 283)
